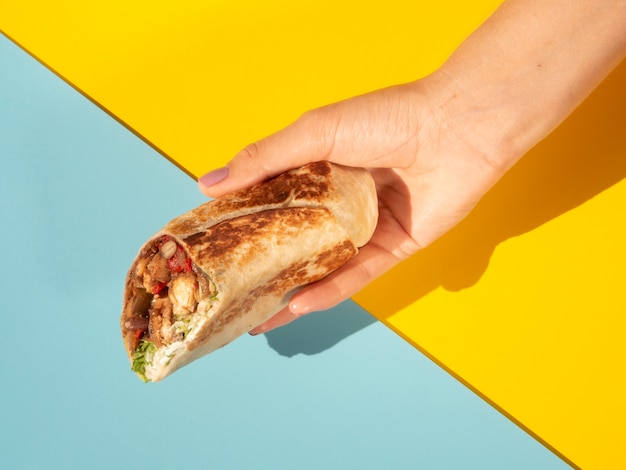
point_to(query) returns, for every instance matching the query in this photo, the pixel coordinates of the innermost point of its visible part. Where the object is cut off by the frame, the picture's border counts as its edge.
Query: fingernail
(213, 177)
(298, 309)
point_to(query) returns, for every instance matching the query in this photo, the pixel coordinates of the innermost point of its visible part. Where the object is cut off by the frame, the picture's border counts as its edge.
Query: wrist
(485, 117)
(525, 70)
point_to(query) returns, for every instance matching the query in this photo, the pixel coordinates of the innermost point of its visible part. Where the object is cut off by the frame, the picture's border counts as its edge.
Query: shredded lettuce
(183, 325)
(142, 357)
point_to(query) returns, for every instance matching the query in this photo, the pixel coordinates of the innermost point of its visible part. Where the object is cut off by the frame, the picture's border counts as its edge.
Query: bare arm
(528, 67)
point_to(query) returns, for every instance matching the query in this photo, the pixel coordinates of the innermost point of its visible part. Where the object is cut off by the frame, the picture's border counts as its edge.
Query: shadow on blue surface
(319, 331)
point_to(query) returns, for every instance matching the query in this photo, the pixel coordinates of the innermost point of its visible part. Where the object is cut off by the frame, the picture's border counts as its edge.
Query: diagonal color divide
(524, 302)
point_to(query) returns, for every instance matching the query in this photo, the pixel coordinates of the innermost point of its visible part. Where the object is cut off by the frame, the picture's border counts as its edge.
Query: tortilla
(225, 267)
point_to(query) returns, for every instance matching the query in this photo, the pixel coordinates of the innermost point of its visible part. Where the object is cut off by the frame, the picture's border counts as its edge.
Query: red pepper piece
(137, 337)
(178, 262)
(158, 287)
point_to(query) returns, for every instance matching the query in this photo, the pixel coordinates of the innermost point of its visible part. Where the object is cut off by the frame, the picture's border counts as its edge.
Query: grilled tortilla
(218, 271)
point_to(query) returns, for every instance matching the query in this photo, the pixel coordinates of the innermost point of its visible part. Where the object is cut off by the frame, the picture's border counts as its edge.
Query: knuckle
(249, 152)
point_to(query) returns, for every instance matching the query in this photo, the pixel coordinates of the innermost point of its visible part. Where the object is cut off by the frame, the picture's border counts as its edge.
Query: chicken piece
(183, 294)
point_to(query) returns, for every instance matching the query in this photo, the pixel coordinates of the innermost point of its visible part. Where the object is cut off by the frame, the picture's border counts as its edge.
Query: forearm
(526, 69)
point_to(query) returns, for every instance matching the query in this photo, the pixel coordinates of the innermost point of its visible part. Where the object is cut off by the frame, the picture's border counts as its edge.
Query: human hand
(428, 177)
(437, 145)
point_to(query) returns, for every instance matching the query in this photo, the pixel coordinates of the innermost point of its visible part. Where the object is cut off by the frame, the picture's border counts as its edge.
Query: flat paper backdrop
(524, 301)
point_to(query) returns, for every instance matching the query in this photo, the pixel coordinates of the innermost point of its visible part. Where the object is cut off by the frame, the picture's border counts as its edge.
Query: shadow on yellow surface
(583, 157)
(580, 159)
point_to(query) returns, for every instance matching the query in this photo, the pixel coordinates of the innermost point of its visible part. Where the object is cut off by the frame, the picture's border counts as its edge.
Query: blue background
(80, 194)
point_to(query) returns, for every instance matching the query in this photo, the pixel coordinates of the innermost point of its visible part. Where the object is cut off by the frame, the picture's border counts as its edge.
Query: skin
(437, 145)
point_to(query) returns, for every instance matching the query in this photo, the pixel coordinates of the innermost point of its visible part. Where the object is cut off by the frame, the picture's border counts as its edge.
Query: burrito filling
(168, 292)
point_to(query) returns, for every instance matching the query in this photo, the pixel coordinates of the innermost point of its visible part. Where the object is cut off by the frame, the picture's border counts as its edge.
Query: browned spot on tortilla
(306, 272)
(320, 168)
(285, 283)
(310, 185)
(225, 237)
(190, 224)
(332, 259)
(310, 182)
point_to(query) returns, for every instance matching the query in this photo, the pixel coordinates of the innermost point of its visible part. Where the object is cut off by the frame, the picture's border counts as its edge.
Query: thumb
(304, 141)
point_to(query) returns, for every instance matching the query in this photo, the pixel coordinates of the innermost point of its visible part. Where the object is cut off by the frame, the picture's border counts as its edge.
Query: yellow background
(524, 301)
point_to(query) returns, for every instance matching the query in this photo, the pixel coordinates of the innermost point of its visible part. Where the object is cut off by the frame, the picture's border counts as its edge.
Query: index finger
(302, 142)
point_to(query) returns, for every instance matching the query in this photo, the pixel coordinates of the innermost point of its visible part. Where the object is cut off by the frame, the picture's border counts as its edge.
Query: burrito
(225, 267)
